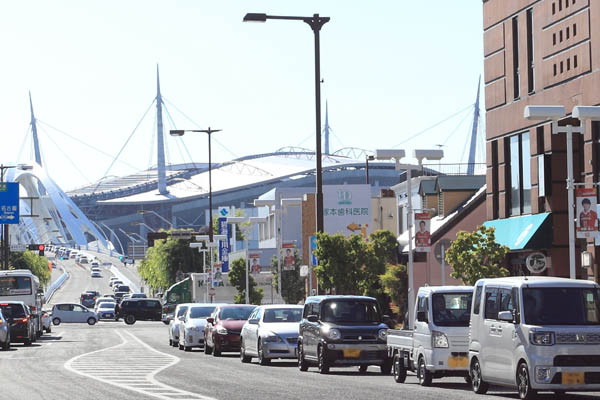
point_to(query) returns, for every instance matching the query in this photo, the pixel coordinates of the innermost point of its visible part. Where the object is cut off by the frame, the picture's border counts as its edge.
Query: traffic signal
(39, 247)
(120, 258)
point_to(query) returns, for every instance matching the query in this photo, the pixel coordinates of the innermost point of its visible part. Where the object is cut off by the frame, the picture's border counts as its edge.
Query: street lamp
(142, 212)
(368, 158)
(316, 23)
(420, 155)
(208, 131)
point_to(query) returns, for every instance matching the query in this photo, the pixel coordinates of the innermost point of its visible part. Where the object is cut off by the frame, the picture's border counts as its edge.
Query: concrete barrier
(57, 284)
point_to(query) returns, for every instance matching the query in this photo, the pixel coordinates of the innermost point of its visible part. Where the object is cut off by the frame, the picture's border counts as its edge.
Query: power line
(434, 125)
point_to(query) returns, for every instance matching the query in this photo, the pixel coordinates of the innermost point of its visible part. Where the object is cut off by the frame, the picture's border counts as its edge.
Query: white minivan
(535, 334)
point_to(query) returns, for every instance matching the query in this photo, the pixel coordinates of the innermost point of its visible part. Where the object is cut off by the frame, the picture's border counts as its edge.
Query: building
(538, 52)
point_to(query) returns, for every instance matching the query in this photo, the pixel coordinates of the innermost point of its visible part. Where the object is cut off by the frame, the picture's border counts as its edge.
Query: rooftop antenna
(162, 181)
(36, 142)
(471, 165)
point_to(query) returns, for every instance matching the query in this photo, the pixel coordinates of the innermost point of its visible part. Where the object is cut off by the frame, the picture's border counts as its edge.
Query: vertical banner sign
(287, 253)
(9, 203)
(347, 209)
(224, 244)
(587, 217)
(422, 234)
(254, 260)
(313, 247)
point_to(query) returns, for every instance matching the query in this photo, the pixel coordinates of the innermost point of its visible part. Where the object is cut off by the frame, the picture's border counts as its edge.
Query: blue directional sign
(9, 203)
(224, 244)
(313, 247)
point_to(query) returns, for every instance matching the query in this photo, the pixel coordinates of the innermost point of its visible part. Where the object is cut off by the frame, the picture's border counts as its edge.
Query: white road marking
(131, 364)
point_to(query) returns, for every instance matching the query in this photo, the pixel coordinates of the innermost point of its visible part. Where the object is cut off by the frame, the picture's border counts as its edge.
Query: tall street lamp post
(367, 159)
(315, 22)
(209, 132)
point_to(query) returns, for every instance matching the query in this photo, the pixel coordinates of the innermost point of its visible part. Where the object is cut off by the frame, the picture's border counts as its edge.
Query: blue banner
(313, 247)
(224, 244)
(9, 203)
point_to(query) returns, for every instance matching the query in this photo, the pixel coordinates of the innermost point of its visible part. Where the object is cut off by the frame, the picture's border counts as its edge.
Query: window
(560, 36)
(515, 43)
(530, 75)
(554, 69)
(554, 39)
(282, 315)
(559, 5)
(561, 67)
(575, 61)
(568, 64)
(520, 174)
(491, 303)
(553, 8)
(451, 309)
(441, 203)
(477, 301)
(561, 306)
(568, 32)
(574, 29)
(350, 311)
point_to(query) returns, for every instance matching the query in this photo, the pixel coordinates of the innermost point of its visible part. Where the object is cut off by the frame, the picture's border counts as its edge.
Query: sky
(390, 69)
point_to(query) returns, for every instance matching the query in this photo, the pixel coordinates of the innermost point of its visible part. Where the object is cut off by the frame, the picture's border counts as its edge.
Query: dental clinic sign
(347, 209)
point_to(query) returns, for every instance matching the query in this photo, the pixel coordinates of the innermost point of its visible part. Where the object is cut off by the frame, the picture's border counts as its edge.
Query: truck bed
(400, 338)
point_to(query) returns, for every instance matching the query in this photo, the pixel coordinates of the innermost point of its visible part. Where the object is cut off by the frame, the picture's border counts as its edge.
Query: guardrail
(115, 271)
(54, 286)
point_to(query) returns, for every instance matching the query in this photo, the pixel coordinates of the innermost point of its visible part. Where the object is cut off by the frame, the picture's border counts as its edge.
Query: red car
(223, 328)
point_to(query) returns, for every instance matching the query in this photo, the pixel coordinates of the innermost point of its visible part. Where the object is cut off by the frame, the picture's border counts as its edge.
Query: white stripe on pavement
(125, 365)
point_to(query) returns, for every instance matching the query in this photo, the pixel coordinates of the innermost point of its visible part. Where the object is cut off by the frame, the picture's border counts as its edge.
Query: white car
(96, 274)
(106, 310)
(191, 326)
(535, 334)
(112, 280)
(95, 264)
(174, 323)
(71, 312)
(83, 260)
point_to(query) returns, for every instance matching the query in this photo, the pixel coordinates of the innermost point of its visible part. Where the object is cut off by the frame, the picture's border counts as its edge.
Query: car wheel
(323, 366)
(477, 383)
(216, 351)
(170, 342)
(130, 319)
(180, 346)
(91, 321)
(27, 341)
(302, 364)
(399, 369)
(523, 383)
(174, 344)
(187, 348)
(386, 367)
(424, 376)
(6, 345)
(49, 329)
(262, 360)
(363, 369)
(207, 348)
(165, 322)
(243, 357)
(56, 321)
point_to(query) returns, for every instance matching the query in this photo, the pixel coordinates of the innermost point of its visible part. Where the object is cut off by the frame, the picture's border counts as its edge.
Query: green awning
(524, 232)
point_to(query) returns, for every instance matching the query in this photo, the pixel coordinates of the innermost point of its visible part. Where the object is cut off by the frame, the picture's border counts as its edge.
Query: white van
(439, 344)
(535, 334)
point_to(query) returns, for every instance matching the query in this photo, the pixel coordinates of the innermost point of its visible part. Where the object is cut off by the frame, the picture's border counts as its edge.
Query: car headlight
(382, 334)
(543, 374)
(541, 338)
(439, 339)
(272, 338)
(334, 334)
(221, 330)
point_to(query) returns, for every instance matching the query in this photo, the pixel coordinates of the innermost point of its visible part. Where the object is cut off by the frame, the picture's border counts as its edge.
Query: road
(112, 360)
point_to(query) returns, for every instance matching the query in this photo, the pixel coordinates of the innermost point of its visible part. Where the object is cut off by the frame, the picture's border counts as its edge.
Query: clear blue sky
(391, 68)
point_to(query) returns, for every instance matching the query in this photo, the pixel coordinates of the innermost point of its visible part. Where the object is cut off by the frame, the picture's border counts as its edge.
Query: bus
(23, 285)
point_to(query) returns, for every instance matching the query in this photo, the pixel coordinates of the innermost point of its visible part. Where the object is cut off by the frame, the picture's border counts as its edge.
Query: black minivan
(132, 310)
(342, 331)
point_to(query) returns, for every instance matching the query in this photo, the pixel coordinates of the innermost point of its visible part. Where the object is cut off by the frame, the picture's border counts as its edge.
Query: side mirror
(422, 316)
(210, 320)
(312, 318)
(182, 317)
(253, 321)
(506, 316)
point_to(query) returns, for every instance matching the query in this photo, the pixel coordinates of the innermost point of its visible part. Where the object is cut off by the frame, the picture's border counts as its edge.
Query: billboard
(254, 260)
(224, 244)
(422, 232)
(288, 250)
(347, 209)
(587, 218)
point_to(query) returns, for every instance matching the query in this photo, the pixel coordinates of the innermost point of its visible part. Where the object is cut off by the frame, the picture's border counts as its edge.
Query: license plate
(458, 362)
(573, 378)
(351, 353)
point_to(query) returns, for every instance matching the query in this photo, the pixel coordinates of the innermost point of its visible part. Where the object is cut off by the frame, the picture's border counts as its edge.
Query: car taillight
(22, 320)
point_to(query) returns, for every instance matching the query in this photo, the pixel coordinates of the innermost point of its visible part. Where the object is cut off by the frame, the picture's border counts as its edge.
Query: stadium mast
(471, 165)
(162, 181)
(327, 128)
(36, 143)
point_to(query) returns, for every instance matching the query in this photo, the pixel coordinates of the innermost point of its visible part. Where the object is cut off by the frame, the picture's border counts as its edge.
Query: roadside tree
(237, 278)
(291, 281)
(32, 261)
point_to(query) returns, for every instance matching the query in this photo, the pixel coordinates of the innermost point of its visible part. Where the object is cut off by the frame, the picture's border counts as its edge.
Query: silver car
(271, 332)
(191, 327)
(4, 333)
(174, 323)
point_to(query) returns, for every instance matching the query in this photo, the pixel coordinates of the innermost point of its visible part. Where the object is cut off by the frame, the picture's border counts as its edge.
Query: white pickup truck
(438, 346)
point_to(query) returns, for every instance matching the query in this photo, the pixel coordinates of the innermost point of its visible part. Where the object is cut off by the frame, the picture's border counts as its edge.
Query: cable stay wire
(198, 126)
(152, 147)
(462, 121)
(82, 142)
(433, 126)
(128, 139)
(305, 139)
(75, 167)
(180, 139)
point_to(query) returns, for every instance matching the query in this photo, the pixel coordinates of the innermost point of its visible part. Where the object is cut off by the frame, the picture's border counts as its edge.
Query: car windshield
(201, 312)
(123, 288)
(561, 306)
(350, 311)
(12, 310)
(451, 309)
(236, 313)
(282, 315)
(181, 311)
(15, 285)
(107, 305)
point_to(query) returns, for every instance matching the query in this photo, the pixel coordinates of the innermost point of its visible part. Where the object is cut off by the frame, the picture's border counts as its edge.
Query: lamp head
(176, 132)
(388, 154)
(587, 112)
(542, 113)
(432, 155)
(255, 17)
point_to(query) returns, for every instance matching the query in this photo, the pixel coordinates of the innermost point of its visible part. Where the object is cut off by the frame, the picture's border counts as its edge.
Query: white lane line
(107, 366)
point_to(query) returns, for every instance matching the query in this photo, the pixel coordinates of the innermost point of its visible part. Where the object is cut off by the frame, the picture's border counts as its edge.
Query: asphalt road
(112, 360)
